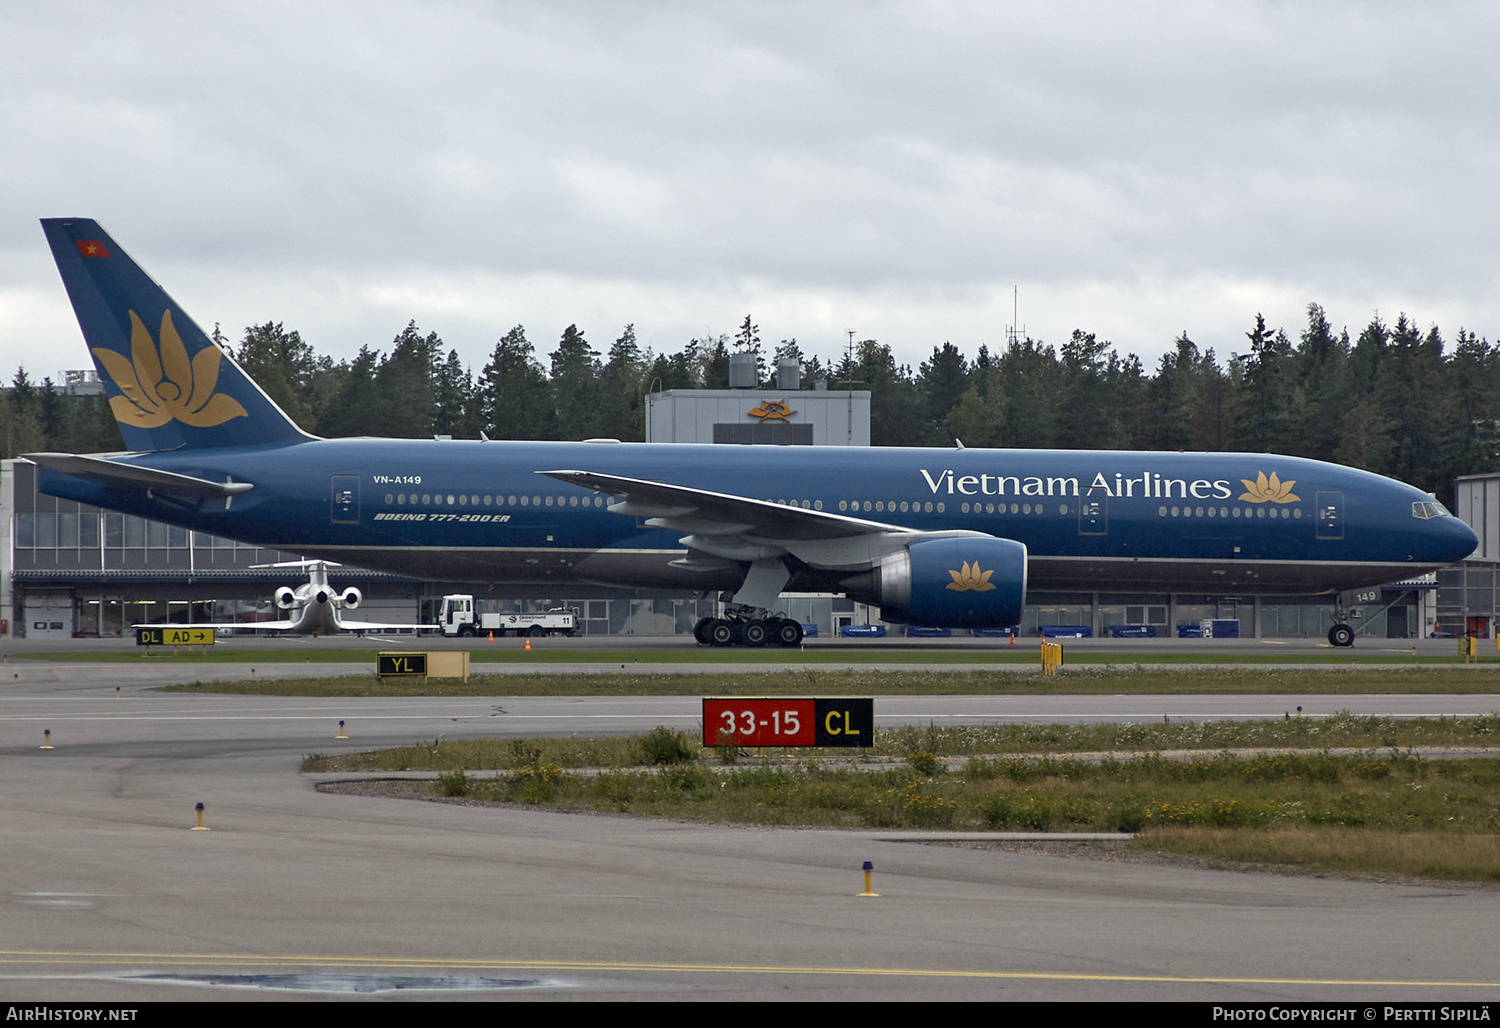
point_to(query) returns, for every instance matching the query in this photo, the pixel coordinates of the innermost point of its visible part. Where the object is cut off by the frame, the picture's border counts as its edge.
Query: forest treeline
(1394, 399)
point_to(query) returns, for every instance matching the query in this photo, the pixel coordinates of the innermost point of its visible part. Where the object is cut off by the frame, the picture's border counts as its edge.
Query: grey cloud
(688, 158)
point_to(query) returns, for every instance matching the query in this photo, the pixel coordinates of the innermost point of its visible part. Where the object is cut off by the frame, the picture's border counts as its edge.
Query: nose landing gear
(1341, 635)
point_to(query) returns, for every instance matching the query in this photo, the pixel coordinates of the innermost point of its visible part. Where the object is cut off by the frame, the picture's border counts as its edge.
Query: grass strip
(1380, 811)
(1446, 855)
(1340, 730)
(1132, 680)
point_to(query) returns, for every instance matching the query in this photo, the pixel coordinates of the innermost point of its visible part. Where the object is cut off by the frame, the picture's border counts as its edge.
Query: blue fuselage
(1091, 520)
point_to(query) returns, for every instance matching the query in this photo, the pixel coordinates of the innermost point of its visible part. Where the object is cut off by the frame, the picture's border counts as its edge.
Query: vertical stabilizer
(168, 384)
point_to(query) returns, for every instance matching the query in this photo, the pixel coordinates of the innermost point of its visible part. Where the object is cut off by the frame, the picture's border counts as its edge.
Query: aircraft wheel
(788, 632)
(753, 633)
(1341, 635)
(720, 632)
(700, 630)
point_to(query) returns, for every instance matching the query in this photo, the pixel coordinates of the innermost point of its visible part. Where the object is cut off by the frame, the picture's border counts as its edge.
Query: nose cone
(1453, 540)
(1442, 541)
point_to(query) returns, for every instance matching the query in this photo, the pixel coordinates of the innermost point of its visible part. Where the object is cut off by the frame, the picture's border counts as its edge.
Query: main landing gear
(748, 631)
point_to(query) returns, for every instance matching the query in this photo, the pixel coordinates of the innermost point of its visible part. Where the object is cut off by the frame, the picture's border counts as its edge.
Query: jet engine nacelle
(286, 598)
(351, 598)
(948, 583)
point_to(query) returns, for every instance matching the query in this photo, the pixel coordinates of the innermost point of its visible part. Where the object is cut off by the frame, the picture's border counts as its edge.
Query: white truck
(458, 618)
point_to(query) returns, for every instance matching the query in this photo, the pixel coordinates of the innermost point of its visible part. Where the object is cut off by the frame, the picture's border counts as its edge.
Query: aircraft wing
(374, 626)
(228, 626)
(289, 626)
(741, 528)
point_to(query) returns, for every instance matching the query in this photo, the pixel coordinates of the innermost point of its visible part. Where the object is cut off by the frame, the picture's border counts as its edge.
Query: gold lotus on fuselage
(159, 383)
(1269, 490)
(971, 578)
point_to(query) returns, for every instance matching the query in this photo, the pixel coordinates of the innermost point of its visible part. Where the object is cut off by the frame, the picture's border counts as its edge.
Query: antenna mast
(1013, 334)
(849, 384)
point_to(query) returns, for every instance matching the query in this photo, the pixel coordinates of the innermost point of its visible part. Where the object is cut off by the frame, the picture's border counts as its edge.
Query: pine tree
(747, 340)
(1266, 374)
(1089, 419)
(282, 365)
(1322, 368)
(515, 398)
(941, 383)
(1031, 383)
(406, 383)
(622, 387)
(456, 403)
(575, 385)
(354, 403)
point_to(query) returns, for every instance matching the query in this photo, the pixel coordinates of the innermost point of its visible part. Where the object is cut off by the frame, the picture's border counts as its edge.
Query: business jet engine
(968, 582)
(286, 598)
(351, 598)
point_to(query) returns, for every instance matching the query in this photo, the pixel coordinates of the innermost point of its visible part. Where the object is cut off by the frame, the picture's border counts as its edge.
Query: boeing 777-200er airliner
(935, 537)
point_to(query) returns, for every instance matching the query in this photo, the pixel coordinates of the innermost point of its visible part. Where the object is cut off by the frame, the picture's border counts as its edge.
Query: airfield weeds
(1274, 793)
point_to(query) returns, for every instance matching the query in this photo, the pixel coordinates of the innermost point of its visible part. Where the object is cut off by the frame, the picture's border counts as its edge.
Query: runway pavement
(108, 895)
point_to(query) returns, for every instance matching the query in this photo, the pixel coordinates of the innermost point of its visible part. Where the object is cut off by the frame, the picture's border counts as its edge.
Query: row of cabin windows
(1224, 512)
(476, 500)
(851, 506)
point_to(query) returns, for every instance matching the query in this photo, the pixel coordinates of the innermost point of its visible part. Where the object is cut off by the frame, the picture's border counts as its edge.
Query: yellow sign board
(184, 636)
(430, 664)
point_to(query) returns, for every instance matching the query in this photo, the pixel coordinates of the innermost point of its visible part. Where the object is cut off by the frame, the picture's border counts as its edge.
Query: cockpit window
(1428, 509)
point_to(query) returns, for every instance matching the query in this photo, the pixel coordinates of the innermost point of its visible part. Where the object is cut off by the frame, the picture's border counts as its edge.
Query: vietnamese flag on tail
(92, 248)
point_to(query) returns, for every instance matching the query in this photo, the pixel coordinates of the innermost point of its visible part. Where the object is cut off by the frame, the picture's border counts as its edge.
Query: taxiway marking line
(469, 964)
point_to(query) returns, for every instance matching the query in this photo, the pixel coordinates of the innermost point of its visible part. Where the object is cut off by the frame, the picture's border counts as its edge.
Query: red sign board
(788, 722)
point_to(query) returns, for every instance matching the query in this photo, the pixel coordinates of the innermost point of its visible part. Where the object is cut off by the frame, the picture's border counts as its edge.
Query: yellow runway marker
(473, 964)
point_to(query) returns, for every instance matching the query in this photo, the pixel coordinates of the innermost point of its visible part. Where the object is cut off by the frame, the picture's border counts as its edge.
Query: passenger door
(344, 505)
(1330, 515)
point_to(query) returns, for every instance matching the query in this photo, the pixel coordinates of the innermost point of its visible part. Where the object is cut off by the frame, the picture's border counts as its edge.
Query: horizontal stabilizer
(120, 475)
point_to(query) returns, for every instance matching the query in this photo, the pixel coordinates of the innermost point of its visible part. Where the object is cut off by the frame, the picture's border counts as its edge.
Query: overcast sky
(1135, 169)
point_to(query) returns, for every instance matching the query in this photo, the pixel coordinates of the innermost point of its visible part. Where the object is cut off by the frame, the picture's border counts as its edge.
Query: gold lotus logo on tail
(161, 384)
(970, 579)
(1269, 490)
